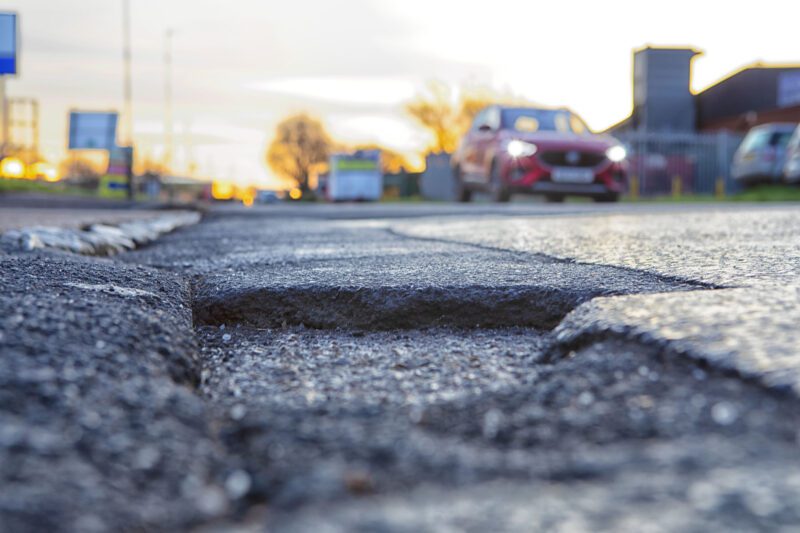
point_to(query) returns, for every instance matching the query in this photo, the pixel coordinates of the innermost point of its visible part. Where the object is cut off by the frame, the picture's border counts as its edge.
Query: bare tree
(80, 171)
(300, 145)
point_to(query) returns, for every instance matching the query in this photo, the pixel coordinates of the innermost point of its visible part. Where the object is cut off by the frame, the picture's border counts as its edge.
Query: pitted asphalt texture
(627, 416)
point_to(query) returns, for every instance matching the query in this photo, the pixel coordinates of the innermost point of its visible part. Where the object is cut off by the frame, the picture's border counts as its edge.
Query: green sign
(356, 164)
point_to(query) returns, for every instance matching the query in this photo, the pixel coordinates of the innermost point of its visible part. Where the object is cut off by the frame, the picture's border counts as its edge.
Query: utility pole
(4, 119)
(168, 129)
(128, 91)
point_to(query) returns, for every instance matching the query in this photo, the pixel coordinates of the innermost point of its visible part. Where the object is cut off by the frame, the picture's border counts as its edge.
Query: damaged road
(295, 373)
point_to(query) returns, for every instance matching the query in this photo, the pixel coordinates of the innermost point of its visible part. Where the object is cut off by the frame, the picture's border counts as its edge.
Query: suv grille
(579, 159)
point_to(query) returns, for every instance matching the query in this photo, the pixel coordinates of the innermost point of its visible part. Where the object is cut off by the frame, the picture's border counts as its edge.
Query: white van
(355, 177)
(791, 170)
(761, 156)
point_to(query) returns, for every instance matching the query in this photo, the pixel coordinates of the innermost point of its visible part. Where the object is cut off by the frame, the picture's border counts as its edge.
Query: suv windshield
(530, 120)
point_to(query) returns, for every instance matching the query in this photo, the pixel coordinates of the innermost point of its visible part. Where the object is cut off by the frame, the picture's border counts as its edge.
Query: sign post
(9, 51)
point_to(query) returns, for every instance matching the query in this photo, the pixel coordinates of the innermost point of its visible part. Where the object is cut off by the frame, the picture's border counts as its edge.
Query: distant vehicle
(762, 155)
(355, 177)
(791, 170)
(267, 197)
(531, 150)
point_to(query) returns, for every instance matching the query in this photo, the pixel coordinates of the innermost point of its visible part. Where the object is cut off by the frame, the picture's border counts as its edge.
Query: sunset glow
(240, 67)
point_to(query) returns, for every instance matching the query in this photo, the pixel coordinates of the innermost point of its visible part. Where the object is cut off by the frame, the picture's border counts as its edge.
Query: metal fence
(680, 163)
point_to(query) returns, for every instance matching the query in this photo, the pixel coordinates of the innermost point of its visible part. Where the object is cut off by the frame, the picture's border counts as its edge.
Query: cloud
(387, 129)
(342, 89)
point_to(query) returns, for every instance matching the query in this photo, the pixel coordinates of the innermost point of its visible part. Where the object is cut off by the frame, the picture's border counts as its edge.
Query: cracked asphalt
(405, 368)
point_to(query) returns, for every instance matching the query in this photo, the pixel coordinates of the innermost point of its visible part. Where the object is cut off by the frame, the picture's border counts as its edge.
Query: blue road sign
(117, 186)
(92, 130)
(9, 43)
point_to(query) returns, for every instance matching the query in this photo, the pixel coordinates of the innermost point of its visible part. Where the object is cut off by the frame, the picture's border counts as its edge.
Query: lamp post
(168, 131)
(128, 92)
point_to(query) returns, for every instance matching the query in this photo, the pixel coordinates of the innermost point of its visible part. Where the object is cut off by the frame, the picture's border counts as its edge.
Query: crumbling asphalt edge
(97, 239)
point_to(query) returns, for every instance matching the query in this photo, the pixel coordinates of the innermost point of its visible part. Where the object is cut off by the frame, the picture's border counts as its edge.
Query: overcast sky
(241, 65)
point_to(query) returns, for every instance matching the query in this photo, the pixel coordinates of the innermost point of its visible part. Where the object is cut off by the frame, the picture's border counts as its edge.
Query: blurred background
(260, 102)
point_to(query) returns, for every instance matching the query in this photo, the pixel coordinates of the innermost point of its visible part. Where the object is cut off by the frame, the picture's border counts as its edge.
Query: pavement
(410, 368)
(20, 210)
(24, 217)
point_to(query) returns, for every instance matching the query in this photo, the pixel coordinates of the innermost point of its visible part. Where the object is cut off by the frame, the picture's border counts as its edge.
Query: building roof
(754, 89)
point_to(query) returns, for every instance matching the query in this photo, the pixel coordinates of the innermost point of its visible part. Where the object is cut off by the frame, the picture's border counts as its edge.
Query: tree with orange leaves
(300, 146)
(435, 112)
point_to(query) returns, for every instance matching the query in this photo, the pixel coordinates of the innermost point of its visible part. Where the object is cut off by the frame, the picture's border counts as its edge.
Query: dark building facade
(663, 101)
(754, 95)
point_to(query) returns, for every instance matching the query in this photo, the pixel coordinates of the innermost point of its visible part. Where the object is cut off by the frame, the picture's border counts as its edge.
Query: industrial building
(663, 100)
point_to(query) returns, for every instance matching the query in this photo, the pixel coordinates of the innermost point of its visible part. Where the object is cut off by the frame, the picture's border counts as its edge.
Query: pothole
(315, 415)
(343, 381)
(329, 418)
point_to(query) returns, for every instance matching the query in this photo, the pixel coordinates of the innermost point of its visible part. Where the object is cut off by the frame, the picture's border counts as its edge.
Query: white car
(791, 170)
(761, 156)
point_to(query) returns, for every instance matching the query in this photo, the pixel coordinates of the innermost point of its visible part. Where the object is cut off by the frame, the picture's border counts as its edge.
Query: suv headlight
(616, 153)
(517, 148)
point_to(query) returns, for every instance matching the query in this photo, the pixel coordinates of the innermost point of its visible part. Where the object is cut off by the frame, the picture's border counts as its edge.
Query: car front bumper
(529, 175)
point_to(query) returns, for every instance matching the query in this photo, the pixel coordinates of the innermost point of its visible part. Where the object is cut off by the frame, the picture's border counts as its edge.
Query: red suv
(537, 151)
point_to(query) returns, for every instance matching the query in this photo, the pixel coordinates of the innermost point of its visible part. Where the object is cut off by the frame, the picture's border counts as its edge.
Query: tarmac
(410, 368)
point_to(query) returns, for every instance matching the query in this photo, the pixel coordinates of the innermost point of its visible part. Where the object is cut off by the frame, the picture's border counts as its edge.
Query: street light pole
(128, 92)
(168, 130)
(4, 119)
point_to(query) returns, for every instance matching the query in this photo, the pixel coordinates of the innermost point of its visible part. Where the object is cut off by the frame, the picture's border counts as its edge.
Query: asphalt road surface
(410, 368)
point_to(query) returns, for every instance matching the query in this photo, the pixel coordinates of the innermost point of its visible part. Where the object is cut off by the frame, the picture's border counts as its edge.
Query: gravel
(344, 432)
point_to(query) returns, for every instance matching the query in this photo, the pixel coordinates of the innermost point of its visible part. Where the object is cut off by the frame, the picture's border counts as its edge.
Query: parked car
(791, 169)
(762, 155)
(267, 197)
(533, 150)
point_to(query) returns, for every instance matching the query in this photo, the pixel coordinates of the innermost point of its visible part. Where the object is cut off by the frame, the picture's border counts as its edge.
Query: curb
(98, 239)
